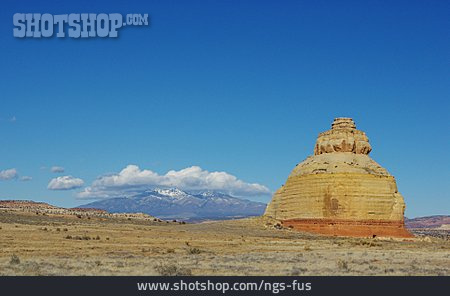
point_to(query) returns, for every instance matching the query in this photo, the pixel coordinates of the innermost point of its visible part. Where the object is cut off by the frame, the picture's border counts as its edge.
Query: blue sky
(242, 87)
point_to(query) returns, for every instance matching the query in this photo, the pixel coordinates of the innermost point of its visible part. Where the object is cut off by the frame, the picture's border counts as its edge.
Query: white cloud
(57, 169)
(132, 179)
(8, 174)
(65, 183)
(26, 178)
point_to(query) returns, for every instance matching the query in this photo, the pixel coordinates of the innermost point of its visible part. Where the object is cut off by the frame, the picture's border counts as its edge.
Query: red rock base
(354, 228)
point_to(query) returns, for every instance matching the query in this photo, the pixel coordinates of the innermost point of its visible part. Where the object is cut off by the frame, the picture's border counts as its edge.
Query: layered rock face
(340, 190)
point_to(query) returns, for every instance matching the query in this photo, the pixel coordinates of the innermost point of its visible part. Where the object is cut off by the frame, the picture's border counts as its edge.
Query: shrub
(296, 271)
(171, 270)
(14, 260)
(342, 264)
(194, 251)
(369, 243)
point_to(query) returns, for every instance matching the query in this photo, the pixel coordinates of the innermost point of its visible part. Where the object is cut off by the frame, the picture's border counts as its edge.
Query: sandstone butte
(340, 190)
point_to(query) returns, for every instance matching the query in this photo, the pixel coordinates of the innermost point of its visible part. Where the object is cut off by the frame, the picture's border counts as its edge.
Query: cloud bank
(65, 183)
(57, 169)
(8, 174)
(26, 178)
(132, 179)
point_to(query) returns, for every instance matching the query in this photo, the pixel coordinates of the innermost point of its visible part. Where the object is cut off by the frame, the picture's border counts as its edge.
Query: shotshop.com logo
(76, 25)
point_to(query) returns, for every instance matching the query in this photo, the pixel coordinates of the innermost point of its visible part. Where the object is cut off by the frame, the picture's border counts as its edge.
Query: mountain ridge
(173, 203)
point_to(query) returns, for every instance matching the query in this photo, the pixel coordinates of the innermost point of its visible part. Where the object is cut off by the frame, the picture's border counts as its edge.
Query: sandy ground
(33, 244)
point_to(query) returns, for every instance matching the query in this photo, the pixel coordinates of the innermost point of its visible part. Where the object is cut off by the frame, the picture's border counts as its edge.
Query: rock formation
(340, 190)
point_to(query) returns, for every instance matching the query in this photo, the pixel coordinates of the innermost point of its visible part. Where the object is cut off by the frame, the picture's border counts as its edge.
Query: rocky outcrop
(42, 208)
(343, 137)
(340, 190)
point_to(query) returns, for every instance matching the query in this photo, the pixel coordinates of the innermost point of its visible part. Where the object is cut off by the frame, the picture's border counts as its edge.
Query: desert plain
(39, 243)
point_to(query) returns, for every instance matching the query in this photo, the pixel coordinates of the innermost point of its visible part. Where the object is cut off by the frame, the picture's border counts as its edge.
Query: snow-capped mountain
(173, 203)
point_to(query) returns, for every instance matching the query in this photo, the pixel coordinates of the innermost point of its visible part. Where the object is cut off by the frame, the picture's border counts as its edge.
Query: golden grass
(56, 245)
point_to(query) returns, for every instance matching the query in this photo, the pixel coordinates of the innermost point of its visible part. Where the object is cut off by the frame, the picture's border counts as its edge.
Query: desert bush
(278, 226)
(343, 265)
(339, 243)
(171, 270)
(77, 237)
(296, 271)
(194, 251)
(368, 243)
(14, 260)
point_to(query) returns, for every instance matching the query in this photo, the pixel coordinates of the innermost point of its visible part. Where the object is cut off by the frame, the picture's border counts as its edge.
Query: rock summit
(340, 190)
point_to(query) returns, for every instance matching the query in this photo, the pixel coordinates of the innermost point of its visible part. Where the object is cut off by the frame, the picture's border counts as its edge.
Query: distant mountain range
(181, 205)
(438, 221)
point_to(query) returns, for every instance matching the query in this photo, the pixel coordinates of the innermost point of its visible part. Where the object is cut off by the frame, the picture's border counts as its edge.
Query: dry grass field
(34, 244)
